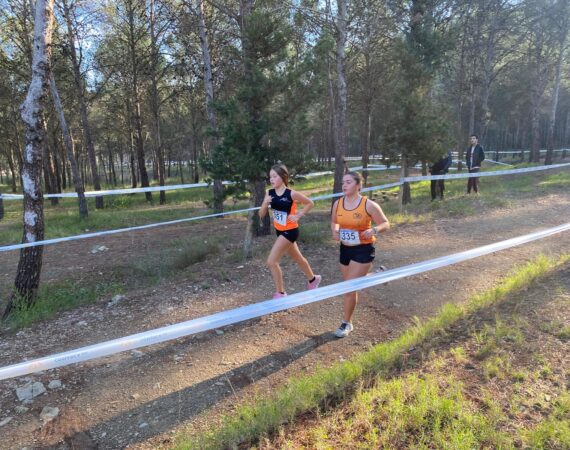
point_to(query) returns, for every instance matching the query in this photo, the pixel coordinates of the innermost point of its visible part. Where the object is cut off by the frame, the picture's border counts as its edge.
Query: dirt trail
(139, 399)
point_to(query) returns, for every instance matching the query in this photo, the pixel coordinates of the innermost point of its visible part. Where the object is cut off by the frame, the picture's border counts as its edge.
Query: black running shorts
(290, 235)
(363, 253)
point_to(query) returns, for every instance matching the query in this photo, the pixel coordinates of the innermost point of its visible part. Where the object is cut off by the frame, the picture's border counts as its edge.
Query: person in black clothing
(440, 167)
(474, 157)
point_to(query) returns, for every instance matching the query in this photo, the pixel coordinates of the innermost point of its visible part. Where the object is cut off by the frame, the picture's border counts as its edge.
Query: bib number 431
(349, 237)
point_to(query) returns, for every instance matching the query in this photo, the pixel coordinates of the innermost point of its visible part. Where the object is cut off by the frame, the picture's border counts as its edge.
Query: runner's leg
(279, 248)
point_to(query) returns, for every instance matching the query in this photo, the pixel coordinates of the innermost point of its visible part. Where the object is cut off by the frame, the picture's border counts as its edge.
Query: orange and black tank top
(283, 206)
(352, 222)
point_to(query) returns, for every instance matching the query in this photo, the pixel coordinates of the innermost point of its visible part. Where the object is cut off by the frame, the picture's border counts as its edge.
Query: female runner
(283, 202)
(351, 224)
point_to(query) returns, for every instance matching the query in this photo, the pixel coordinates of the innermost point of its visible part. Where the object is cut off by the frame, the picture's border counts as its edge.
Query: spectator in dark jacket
(474, 157)
(440, 167)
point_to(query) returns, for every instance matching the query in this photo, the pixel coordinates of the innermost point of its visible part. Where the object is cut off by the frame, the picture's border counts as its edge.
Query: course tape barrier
(498, 162)
(171, 187)
(483, 174)
(159, 224)
(233, 316)
(240, 211)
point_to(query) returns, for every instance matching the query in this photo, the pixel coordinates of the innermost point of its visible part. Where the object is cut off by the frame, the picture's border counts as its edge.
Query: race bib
(349, 237)
(280, 217)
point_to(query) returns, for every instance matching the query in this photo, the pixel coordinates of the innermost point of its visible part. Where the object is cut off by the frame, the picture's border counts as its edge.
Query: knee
(350, 296)
(271, 263)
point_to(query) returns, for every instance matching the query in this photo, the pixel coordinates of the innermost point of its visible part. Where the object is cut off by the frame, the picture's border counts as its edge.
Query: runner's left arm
(378, 217)
(303, 199)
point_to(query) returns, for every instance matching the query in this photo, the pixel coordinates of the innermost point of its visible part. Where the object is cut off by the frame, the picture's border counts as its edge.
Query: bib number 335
(280, 217)
(349, 237)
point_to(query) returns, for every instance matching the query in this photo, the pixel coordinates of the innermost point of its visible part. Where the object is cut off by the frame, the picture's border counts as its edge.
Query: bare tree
(340, 134)
(218, 188)
(69, 147)
(30, 263)
(561, 20)
(155, 101)
(1, 206)
(68, 11)
(133, 37)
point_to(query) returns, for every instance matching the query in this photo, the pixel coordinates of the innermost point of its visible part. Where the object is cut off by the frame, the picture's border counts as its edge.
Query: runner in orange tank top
(351, 224)
(283, 202)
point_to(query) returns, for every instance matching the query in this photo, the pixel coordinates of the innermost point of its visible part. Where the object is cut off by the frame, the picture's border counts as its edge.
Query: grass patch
(309, 393)
(194, 251)
(55, 297)
(553, 433)
(410, 412)
(315, 233)
(66, 295)
(558, 329)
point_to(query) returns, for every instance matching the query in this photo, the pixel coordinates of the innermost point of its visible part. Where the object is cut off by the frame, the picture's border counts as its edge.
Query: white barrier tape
(120, 230)
(340, 194)
(322, 197)
(253, 311)
(483, 174)
(158, 224)
(172, 187)
(373, 168)
(516, 152)
(498, 162)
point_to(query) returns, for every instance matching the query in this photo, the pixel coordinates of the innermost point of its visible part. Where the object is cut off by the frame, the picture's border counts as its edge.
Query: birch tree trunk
(69, 148)
(30, 264)
(83, 115)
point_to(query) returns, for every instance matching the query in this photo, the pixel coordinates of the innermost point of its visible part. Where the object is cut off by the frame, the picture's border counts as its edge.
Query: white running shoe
(344, 329)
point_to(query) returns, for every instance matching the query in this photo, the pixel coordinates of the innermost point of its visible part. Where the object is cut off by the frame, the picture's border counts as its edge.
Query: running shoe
(343, 330)
(315, 283)
(279, 295)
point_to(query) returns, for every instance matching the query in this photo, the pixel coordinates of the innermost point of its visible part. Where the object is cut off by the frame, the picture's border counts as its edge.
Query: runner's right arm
(265, 205)
(334, 225)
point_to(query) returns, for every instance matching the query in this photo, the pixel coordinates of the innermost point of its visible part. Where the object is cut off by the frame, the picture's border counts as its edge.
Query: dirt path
(138, 399)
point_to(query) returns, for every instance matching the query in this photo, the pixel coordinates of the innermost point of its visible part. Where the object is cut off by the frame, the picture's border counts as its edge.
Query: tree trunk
(112, 171)
(49, 176)
(56, 166)
(30, 264)
(69, 147)
(181, 168)
(405, 193)
(137, 118)
(263, 225)
(340, 134)
(367, 140)
(155, 103)
(555, 95)
(12, 171)
(83, 115)
(1, 206)
(63, 167)
(218, 187)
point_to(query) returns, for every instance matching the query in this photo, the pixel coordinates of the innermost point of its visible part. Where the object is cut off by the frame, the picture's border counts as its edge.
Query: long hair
(356, 177)
(282, 171)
